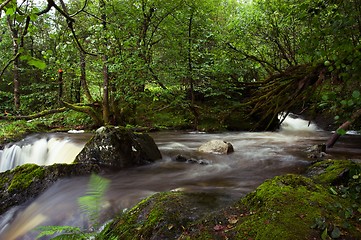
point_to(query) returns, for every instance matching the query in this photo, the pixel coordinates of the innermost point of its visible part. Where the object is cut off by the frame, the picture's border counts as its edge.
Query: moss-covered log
(32, 116)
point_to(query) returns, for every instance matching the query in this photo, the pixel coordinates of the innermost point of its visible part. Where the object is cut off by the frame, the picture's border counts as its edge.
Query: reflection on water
(257, 156)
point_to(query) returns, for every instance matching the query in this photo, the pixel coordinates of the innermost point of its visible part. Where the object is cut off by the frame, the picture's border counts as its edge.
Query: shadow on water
(257, 157)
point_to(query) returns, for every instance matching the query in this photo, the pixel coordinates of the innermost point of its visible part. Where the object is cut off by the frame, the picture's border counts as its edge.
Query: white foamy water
(40, 150)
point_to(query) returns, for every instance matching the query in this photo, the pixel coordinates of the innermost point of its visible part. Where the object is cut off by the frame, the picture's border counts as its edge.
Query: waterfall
(294, 123)
(41, 150)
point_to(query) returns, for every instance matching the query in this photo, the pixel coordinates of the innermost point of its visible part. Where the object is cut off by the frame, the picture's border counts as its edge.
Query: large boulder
(115, 148)
(216, 146)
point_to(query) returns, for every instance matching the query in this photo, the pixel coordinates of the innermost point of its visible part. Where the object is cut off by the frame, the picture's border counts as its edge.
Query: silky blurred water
(257, 157)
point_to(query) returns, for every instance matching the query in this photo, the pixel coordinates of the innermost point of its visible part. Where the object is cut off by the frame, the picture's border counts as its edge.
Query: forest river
(257, 157)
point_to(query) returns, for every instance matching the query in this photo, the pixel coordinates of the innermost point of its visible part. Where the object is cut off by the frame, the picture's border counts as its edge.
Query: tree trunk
(333, 139)
(60, 86)
(105, 103)
(83, 81)
(16, 64)
(190, 72)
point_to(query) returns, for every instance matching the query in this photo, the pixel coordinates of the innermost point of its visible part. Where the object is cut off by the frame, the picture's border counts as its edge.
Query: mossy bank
(323, 204)
(27, 181)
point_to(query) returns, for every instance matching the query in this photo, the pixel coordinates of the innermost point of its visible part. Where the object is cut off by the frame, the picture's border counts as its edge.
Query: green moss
(161, 216)
(285, 207)
(24, 175)
(333, 171)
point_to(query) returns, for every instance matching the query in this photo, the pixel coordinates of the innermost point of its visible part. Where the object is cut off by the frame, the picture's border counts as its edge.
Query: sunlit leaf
(37, 63)
(10, 11)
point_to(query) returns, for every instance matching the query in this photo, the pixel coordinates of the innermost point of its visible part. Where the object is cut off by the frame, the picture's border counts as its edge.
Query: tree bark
(333, 139)
(83, 80)
(60, 85)
(105, 103)
(16, 63)
(190, 71)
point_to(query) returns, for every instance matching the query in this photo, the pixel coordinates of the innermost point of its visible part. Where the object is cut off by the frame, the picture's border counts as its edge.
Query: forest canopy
(133, 62)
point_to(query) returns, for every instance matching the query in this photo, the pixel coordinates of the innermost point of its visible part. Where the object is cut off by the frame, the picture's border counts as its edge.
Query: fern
(89, 204)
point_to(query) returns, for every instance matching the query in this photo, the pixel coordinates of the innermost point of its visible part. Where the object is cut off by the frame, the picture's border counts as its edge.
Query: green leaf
(90, 204)
(324, 235)
(25, 57)
(37, 63)
(51, 230)
(341, 131)
(333, 191)
(356, 94)
(336, 233)
(33, 17)
(10, 11)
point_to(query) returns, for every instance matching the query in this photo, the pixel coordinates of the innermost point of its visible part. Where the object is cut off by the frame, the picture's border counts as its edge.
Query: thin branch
(254, 58)
(8, 64)
(81, 10)
(70, 25)
(4, 4)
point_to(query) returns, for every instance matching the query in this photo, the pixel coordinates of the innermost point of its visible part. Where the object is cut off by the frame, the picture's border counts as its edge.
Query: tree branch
(4, 4)
(254, 58)
(8, 64)
(81, 10)
(33, 116)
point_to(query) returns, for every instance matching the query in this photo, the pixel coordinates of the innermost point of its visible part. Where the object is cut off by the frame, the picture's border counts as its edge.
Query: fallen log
(333, 139)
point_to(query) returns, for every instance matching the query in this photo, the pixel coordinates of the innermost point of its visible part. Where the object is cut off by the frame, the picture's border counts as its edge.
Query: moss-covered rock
(162, 216)
(27, 181)
(333, 172)
(116, 148)
(285, 207)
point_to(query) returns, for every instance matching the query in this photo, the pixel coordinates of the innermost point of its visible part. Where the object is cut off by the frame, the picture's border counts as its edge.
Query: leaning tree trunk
(333, 139)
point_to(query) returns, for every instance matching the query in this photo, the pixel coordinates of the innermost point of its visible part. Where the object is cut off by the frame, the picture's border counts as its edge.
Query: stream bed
(258, 156)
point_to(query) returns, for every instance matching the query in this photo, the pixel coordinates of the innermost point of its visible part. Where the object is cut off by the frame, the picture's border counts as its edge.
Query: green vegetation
(24, 175)
(16, 130)
(200, 64)
(208, 65)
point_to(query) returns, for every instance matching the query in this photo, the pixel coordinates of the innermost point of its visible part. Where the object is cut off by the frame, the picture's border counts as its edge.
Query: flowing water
(43, 150)
(257, 157)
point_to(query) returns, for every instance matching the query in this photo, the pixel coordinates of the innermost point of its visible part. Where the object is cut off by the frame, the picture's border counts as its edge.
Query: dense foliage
(179, 63)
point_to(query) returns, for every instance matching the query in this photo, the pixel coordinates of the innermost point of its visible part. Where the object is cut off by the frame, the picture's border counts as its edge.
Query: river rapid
(258, 156)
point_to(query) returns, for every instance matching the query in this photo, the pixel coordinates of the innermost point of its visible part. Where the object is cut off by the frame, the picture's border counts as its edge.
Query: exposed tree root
(281, 91)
